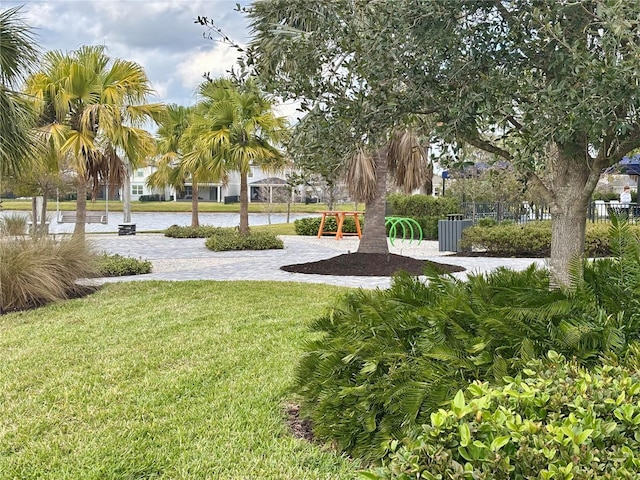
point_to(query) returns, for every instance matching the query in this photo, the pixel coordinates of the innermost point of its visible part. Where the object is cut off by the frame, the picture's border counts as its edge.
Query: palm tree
(367, 174)
(18, 53)
(174, 167)
(90, 106)
(233, 128)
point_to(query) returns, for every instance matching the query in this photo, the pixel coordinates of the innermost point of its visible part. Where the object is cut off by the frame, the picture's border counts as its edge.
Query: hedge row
(310, 225)
(531, 239)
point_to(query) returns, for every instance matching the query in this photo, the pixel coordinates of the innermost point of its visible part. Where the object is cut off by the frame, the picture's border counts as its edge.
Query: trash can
(450, 232)
(127, 229)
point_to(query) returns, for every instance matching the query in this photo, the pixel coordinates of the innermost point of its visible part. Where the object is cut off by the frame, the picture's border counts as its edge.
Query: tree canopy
(553, 87)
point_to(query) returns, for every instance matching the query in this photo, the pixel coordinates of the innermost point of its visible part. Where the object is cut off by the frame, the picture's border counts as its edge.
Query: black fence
(598, 211)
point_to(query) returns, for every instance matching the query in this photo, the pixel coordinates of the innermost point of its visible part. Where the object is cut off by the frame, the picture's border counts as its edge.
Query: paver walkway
(188, 259)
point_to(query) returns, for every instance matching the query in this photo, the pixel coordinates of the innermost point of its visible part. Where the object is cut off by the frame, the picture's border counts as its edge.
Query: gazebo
(259, 188)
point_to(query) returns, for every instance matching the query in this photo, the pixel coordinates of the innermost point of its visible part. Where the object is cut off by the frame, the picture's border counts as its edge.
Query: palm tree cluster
(91, 110)
(231, 128)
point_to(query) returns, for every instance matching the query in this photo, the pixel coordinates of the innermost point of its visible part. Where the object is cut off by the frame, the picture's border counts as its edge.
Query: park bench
(91, 217)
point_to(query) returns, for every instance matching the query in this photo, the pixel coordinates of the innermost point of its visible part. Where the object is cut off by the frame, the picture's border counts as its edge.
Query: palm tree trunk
(81, 208)
(195, 220)
(374, 235)
(244, 204)
(126, 194)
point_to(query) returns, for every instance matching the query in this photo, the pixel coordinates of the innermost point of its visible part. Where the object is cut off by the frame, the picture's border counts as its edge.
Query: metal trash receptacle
(127, 229)
(450, 233)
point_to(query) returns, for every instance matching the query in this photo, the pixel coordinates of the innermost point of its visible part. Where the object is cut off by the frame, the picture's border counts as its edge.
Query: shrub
(532, 239)
(424, 209)
(203, 231)
(416, 206)
(36, 272)
(117, 266)
(310, 225)
(231, 239)
(554, 421)
(13, 224)
(384, 360)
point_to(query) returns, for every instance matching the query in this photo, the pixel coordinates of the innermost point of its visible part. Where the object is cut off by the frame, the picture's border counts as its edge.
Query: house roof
(269, 181)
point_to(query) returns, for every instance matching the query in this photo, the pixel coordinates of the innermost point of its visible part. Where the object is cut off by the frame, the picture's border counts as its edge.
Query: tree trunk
(43, 214)
(34, 217)
(571, 186)
(126, 194)
(374, 235)
(81, 208)
(244, 204)
(567, 242)
(195, 220)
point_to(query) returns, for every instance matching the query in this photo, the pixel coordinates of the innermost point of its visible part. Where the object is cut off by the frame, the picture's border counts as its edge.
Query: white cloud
(216, 61)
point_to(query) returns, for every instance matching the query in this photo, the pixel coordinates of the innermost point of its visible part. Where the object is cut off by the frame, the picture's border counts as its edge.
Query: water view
(159, 221)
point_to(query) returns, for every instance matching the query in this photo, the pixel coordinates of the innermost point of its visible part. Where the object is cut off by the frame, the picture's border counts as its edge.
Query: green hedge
(554, 421)
(424, 209)
(310, 225)
(231, 239)
(117, 266)
(532, 239)
(416, 206)
(203, 231)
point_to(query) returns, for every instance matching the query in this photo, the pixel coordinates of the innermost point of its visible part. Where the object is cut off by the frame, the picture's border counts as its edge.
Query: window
(136, 190)
(140, 172)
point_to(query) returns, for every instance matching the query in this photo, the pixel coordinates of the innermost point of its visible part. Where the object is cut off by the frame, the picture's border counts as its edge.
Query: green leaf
(499, 442)
(465, 434)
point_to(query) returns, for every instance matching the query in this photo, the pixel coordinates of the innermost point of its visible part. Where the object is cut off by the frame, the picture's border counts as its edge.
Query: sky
(159, 35)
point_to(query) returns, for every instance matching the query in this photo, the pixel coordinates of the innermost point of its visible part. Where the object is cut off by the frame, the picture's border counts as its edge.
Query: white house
(263, 187)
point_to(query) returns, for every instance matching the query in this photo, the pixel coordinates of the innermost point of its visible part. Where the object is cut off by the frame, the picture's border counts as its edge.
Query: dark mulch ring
(369, 265)
(300, 427)
(78, 291)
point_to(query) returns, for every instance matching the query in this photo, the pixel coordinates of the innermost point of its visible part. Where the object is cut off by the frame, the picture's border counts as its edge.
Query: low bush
(231, 239)
(416, 206)
(385, 360)
(532, 239)
(424, 209)
(310, 225)
(118, 266)
(555, 420)
(203, 231)
(13, 224)
(34, 272)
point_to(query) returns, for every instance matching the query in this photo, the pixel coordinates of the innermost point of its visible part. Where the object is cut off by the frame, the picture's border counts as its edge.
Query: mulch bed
(369, 265)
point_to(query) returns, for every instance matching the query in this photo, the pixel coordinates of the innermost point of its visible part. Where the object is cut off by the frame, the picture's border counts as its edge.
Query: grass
(160, 380)
(203, 207)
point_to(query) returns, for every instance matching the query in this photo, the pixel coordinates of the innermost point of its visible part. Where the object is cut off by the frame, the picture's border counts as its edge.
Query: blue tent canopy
(630, 165)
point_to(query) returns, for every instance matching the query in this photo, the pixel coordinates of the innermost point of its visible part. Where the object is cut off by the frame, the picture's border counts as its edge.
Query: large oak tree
(552, 87)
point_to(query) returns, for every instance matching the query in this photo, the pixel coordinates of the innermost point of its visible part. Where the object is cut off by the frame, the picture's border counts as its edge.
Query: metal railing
(598, 211)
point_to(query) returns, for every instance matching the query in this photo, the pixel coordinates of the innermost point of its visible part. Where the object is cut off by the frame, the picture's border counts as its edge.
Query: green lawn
(116, 206)
(183, 380)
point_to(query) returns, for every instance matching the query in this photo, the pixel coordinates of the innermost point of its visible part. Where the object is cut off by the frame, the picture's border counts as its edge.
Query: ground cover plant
(167, 380)
(114, 265)
(202, 231)
(38, 271)
(385, 360)
(556, 420)
(226, 239)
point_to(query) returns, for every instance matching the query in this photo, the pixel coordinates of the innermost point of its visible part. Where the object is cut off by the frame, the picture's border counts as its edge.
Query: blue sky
(159, 35)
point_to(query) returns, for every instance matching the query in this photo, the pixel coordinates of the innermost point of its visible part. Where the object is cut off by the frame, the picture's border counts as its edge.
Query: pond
(159, 220)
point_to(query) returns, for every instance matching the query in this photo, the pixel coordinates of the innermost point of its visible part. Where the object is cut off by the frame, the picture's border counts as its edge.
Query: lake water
(160, 221)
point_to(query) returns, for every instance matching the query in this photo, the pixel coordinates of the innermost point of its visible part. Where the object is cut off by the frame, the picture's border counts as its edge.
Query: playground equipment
(407, 224)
